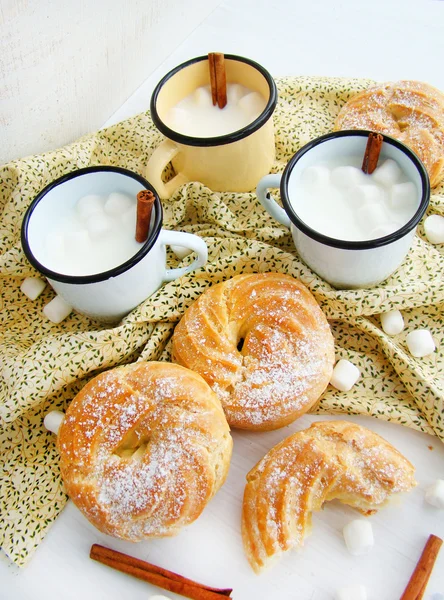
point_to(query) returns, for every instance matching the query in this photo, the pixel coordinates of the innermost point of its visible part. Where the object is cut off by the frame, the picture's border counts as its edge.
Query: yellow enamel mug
(234, 162)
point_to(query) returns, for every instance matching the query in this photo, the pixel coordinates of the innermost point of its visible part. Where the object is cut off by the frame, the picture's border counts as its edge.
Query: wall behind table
(67, 65)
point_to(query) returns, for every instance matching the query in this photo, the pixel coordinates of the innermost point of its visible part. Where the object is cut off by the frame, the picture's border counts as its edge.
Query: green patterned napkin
(44, 365)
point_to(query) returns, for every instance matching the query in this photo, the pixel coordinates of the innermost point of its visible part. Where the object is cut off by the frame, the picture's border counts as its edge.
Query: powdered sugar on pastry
(330, 460)
(143, 448)
(410, 111)
(263, 345)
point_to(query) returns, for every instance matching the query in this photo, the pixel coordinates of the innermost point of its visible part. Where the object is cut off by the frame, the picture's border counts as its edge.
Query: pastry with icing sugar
(329, 460)
(410, 111)
(262, 343)
(143, 448)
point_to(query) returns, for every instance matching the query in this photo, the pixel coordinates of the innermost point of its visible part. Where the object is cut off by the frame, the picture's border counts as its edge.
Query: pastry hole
(132, 448)
(240, 344)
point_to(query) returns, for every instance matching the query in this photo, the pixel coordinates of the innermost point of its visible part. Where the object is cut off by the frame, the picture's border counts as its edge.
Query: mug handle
(267, 200)
(159, 159)
(186, 240)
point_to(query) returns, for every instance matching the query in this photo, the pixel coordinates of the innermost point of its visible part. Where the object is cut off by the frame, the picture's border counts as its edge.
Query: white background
(379, 40)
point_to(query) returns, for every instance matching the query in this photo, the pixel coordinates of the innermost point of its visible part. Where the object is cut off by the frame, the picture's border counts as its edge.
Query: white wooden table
(380, 40)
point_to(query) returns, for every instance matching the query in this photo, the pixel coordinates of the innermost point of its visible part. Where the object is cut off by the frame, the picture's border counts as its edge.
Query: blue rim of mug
(348, 244)
(104, 275)
(220, 140)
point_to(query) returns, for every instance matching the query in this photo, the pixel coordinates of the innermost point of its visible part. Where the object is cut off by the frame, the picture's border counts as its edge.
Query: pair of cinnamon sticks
(167, 580)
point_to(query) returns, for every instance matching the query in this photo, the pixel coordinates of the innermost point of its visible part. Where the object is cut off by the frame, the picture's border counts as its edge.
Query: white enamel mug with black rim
(110, 295)
(345, 264)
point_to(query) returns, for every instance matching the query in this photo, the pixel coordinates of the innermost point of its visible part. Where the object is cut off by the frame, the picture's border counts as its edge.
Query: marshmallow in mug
(338, 200)
(358, 229)
(96, 268)
(195, 115)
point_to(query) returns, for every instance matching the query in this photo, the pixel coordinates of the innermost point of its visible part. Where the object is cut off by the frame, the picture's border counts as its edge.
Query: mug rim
(103, 275)
(219, 140)
(350, 244)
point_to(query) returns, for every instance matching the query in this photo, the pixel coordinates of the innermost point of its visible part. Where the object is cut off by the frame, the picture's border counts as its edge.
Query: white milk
(196, 116)
(96, 236)
(337, 199)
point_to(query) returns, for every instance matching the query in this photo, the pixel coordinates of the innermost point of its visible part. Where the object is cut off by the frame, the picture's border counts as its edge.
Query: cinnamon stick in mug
(372, 151)
(218, 78)
(145, 201)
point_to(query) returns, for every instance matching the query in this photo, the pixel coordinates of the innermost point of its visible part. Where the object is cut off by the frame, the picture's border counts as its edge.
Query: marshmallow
(365, 194)
(355, 592)
(346, 176)
(53, 420)
(420, 343)
(358, 536)
(315, 176)
(180, 251)
(435, 494)
(344, 376)
(253, 104)
(98, 226)
(434, 229)
(388, 173)
(392, 322)
(77, 238)
(383, 230)
(89, 205)
(202, 96)
(404, 195)
(33, 287)
(234, 93)
(116, 204)
(57, 310)
(372, 215)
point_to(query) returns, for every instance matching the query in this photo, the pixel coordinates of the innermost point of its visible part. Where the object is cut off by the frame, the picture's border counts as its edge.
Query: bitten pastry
(143, 448)
(329, 460)
(262, 343)
(411, 111)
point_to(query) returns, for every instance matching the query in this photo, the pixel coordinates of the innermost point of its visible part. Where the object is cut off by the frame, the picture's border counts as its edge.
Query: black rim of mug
(104, 275)
(229, 138)
(355, 245)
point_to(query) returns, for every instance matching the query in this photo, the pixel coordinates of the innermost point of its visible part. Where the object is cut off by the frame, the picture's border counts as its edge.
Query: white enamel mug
(109, 295)
(342, 263)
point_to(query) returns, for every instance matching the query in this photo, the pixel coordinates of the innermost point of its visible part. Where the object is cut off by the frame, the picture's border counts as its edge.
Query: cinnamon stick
(372, 151)
(418, 581)
(145, 201)
(167, 580)
(218, 78)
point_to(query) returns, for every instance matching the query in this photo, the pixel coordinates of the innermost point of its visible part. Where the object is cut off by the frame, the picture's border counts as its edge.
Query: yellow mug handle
(161, 156)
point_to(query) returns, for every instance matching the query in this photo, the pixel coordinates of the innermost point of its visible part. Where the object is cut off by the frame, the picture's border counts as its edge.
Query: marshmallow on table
(420, 343)
(117, 203)
(435, 494)
(89, 205)
(358, 536)
(345, 375)
(392, 322)
(388, 173)
(33, 287)
(434, 229)
(354, 592)
(316, 175)
(57, 310)
(53, 420)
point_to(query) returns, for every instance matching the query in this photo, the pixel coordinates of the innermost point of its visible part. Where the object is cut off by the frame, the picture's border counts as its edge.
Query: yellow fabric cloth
(43, 365)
